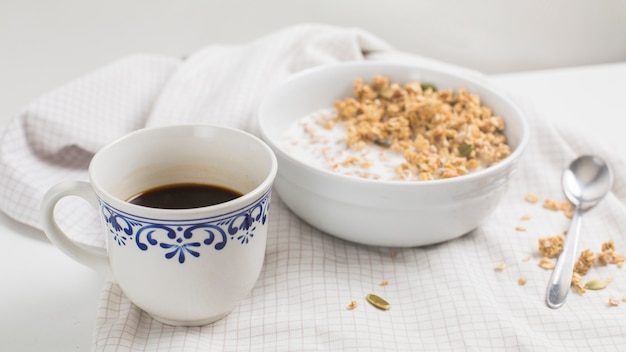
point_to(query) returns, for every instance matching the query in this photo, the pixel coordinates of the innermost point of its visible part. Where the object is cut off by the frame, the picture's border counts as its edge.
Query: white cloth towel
(443, 297)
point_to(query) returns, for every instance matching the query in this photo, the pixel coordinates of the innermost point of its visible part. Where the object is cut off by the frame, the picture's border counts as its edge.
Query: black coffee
(184, 196)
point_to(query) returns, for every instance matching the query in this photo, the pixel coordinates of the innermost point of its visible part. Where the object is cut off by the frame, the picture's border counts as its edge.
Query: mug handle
(93, 258)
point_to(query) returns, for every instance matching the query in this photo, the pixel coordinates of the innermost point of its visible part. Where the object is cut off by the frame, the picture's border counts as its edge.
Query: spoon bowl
(585, 182)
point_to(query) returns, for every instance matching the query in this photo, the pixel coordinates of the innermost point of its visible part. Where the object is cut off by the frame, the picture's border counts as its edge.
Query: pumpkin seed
(466, 149)
(382, 143)
(377, 302)
(596, 284)
(426, 86)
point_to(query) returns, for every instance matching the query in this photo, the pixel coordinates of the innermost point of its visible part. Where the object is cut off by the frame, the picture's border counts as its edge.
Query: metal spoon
(585, 182)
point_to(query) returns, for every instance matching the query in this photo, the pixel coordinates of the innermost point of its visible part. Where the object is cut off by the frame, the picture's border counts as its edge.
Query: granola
(608, 255)
(500, 267)
(546, 263)
(585, 262)
(551, 247)
(532, 198)
(415, 130)
(566, 207)
(577, 283)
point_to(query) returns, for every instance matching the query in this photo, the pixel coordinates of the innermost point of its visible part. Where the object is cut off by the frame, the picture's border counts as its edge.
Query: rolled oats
(564, 206)
(546, 263)
(551, 204)
(532, 198)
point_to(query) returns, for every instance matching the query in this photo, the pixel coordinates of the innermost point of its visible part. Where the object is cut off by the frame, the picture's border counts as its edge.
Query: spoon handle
(561, 278)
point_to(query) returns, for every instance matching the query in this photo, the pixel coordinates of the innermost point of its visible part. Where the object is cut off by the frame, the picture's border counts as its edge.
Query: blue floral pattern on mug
(181, 239)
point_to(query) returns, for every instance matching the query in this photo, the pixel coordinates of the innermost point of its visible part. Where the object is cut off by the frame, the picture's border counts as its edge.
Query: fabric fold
(225, 84)
(55, 136)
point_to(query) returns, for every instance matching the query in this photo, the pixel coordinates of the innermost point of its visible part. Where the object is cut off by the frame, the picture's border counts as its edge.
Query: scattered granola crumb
(520, 228)
(585, 261)
(546, 263)
(532, 198)
(613, 302)
(384, 283)
(526, 258)
(393, 254)
(623, 298)
(525, 217)
(352, 305)
(608, 255)
(577, 283)
(566, 207)
(500, 267)
(608, 246)
(551, 204)
(551, 247)
(521, 281)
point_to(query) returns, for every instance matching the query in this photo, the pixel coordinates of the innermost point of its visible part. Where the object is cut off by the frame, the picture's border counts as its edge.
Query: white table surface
(48, 302)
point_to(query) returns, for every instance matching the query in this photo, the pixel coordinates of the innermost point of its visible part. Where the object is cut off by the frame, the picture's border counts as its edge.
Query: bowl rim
(518, 151)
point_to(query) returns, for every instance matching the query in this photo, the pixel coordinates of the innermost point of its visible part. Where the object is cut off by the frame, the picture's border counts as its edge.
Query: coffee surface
(184, 196)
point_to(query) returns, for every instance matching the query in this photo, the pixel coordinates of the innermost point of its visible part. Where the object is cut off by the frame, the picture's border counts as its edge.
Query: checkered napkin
(443, 297)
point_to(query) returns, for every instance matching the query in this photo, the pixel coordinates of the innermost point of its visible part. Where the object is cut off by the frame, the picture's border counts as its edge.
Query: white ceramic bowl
(375, 212)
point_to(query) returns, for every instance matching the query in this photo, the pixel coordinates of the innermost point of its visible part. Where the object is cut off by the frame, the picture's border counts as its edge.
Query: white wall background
(46, 43)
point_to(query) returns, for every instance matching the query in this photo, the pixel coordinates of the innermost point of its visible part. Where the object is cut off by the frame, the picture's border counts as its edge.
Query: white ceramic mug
(182, 266)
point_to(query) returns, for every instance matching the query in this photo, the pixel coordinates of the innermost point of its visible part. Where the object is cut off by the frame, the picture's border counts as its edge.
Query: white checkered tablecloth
(444, 297)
